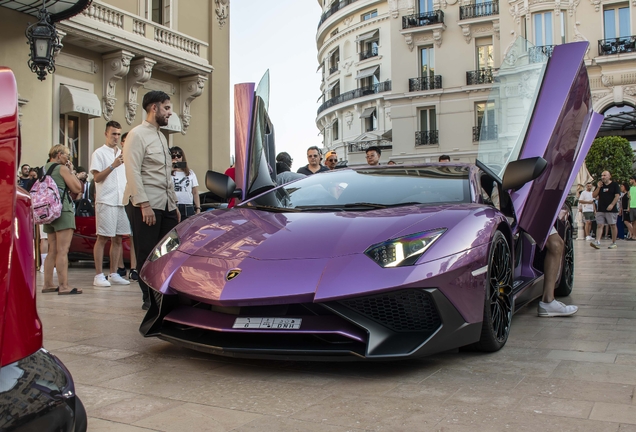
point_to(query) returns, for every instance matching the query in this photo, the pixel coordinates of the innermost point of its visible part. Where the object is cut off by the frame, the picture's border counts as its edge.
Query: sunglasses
(332, 160)
(313, 156)
(176, 155)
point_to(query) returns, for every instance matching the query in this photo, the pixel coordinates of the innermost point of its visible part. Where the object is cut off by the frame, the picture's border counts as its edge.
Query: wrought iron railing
(538, 54)
(485, 133)
(481, 76)
(479, 10)
(425, 83)
(354, 94)
(426, 137)
(617, 45)
(373, 52)
(335, 7)
(423, 19)
(333, 69)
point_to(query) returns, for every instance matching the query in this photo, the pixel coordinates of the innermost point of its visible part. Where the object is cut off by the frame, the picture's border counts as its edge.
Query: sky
(280, 36)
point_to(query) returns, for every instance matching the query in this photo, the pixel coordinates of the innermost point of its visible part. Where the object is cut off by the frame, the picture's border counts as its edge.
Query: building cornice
(343, 34)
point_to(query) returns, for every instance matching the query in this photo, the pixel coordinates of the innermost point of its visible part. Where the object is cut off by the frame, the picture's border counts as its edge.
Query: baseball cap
(331, 153)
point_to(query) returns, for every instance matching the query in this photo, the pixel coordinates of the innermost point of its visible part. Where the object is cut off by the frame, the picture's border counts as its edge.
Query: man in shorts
(110, 216)
(608, 193)
(586, 201)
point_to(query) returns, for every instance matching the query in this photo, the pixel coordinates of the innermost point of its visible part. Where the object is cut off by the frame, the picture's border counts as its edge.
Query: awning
(174, 123)
(365, 73)
(368, 35)
(319, 67)
(388, 134)
(332, 85)
(80, 101)
(368, 112)
(59, 9)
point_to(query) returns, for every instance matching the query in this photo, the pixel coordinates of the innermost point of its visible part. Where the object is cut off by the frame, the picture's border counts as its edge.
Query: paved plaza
(555, 374)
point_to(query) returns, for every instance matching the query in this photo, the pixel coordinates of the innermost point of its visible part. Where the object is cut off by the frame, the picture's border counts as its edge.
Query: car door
(255, 149)
(544, 109)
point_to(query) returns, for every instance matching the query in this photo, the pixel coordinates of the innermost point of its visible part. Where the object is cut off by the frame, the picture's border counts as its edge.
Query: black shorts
(626, 216)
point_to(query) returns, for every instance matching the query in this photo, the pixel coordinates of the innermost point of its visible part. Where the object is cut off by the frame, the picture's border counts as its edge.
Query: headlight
(169, 243)
(403, 251)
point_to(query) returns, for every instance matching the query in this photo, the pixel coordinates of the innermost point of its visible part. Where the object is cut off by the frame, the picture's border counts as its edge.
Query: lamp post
(44, 42)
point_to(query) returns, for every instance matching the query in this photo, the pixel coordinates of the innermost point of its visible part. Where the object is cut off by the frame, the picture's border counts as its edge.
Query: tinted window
(389, 186)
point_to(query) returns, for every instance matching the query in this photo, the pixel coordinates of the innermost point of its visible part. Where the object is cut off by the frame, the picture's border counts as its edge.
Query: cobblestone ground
(555, 374)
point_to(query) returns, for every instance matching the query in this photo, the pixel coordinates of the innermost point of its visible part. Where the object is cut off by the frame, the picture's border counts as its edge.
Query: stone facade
(114, 52)
(435, 63)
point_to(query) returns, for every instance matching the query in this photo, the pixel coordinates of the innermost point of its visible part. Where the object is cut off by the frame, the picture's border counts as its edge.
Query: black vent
(157, 295)
(402, 311)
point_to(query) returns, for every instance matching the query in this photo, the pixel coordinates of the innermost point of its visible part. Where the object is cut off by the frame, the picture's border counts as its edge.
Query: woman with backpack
(60, 231)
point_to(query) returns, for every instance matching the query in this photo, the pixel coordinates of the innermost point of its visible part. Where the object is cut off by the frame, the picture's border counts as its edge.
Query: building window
(428, 119)
(335, 32)
(371, 81)
(334, 90)
(159, 11)
(563, 27)
(543, 29)
(369, 15)
(485, 52)
(334, 131)
(427, 62)
(425, 6)
(370, 119)
(70, 136)
(486, 128)
(334, 61)
(616, 22)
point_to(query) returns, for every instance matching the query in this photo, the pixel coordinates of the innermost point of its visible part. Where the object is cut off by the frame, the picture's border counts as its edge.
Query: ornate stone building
(412, 76)
(113, 53)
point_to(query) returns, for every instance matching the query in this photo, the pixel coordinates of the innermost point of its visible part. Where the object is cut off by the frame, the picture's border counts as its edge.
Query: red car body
(84, 239)
(37, 391)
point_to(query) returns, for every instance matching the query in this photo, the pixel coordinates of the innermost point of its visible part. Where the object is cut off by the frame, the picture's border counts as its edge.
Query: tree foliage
(613, 154)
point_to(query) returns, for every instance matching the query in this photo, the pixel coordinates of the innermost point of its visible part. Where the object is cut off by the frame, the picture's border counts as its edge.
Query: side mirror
(221, 185)
(520, 172)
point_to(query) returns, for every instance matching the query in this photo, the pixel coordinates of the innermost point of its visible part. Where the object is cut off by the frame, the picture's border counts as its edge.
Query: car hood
(265, 235)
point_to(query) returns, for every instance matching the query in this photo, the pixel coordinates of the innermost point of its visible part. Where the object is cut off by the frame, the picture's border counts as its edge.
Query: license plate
(267, 323)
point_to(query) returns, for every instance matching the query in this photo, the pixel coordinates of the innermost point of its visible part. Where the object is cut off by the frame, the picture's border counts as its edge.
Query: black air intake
(410, 310)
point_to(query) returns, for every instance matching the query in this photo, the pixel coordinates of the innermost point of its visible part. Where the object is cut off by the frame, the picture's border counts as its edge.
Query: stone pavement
(555, 374)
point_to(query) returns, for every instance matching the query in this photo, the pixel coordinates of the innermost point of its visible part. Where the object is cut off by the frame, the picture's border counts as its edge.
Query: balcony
(425, 83)
(479, 10)
(423, 138)
(481, 76)
(538, 54)
(423, 19)
(621, 45)
(485, 133)
(373, 52)
(354, 94)
(335, 7)
(364, 145)
(104, 28)
(333, 69)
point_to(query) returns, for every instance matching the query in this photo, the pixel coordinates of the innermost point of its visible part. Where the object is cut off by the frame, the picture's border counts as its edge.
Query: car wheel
(564, 288)
(498, 304)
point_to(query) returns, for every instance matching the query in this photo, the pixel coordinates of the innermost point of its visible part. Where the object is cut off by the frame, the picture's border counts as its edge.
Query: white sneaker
(595, 244)
(589, 238)
(555, 308)
(612, 246)
(100, 281)
(116, 279)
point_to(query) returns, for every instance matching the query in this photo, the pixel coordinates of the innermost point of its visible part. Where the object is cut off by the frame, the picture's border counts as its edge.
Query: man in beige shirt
(149, 181)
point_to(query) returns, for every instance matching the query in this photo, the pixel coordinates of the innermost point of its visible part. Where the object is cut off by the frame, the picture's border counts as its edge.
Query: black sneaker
(133, 275)
(121, 271)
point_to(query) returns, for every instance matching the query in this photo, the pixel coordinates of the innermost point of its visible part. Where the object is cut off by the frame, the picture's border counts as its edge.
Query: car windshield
(365, 189)
(503, 120)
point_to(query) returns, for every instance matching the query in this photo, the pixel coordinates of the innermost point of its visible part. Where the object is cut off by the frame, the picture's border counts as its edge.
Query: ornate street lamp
(44, 42)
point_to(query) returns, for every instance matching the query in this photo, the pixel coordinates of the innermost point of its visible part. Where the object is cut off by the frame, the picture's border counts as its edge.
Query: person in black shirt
(314, 166)
(627, 220)
(608, 193)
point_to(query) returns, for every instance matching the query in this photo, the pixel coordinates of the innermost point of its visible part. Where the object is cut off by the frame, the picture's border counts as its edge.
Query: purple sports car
(384, 262)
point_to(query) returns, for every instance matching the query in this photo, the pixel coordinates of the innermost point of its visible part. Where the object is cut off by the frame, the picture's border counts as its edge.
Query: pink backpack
(45, 199)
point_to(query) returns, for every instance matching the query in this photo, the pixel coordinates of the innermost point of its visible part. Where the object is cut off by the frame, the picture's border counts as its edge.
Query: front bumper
(408, 322)
(37, 394)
